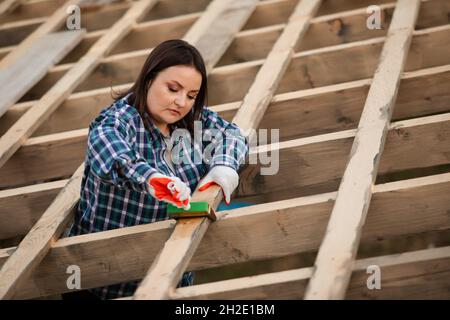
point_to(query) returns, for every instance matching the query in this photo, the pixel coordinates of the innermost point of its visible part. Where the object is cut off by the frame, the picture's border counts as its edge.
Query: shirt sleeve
(113, 158)
(224, 141)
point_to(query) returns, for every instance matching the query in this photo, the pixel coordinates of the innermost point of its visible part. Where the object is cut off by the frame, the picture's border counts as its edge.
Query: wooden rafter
(398, 270)
(36, 244)
(51, 25)
(31, 67)
(285, 227)
(184, 240)
(333, 266)
(321, 88)
(316, 101)
(422, 42)
(8, 5)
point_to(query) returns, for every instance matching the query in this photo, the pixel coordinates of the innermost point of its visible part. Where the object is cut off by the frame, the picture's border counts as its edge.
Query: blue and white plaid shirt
(121, 156)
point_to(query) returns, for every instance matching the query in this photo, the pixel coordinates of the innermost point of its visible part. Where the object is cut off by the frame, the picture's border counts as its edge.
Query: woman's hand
(226, 177)
(170, 189)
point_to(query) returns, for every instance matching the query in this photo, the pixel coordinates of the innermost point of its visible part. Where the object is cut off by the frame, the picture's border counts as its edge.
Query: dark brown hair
(167, 54)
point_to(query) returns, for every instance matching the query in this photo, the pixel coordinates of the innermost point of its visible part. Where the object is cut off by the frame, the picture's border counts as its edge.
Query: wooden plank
(423, 274)
(224, 20)
(330, 7)
(315, 106)
(31, 120)
(82, 107)
(31, 10)
(36, 244)
(21, 208)
(309, 69)
(27, 70)
(12, 33)
(8, 285)
(161, 30)
(172, 8)
(51, 25)
(33, 248)
(286, 227)
(211, 34)
(270, 12)
(7, 6)
(314, 173)
(269, 76)
(333, 264)
(131, 61)
(102, 19)
(60, 154)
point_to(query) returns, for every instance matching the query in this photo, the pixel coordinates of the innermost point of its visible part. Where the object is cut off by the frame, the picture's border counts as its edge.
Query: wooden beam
(82, 107)
(211, 34)
(51, 25)
(21, 208)
(164, 10)
(7, 6)
(404, 143)
(318, 109)
(33, 248)
(103, 17)
(309, 69)
(31, 120)
(422, 274)
(333, 265)
(7, 286)
(161, 30)
(284, 228)
(31, 10)
(36, 244)
(12, 33)
(172, 8)
(59, 71)
(304, 166)
(274, 67)
(328, 30)
(330, 7)
(338, 107)
(64, 151)
(28, 69)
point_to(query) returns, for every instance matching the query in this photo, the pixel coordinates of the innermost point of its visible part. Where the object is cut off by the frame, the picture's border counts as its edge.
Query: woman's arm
(228, 148)
(227, 145)
(112, 157)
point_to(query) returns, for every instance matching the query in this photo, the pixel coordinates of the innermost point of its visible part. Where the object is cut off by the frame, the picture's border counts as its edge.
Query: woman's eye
(172, 89)
(192, 98)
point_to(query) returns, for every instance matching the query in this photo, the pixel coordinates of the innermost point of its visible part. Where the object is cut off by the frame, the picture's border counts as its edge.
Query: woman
(130, 169)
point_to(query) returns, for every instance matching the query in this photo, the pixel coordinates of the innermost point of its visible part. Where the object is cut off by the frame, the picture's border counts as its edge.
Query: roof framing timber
(333, 266)
(230, 77)
(403, 278)
(37, 242)
(314, 83)
(51, 24)
(125, 66)
(406, 140)
(187, 234)
(428, 50)
(180, 247)
(285, 227)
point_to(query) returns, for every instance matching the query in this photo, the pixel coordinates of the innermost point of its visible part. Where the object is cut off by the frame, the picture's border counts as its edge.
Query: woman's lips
(174, 112)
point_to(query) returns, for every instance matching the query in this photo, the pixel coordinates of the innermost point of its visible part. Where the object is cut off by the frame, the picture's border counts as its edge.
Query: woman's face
(172, 94)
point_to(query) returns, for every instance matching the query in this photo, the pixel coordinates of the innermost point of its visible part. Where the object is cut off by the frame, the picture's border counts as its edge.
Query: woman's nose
(180, 101)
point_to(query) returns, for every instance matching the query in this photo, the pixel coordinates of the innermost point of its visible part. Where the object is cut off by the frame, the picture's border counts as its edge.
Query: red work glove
(170, 189)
